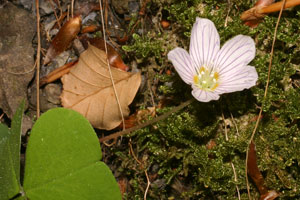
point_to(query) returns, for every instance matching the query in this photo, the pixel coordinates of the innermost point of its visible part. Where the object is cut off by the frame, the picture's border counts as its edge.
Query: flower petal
(238, 51)
(183, 64)
(204, 96)
(205, 42)
(244, 78)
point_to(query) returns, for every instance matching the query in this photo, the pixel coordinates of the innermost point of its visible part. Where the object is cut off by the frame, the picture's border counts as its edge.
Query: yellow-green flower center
(206, 79)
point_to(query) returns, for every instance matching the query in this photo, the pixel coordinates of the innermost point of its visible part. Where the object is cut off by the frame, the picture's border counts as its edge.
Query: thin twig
(55, 14)
(2, 115)
(59, 7)
(265, 95)
(145, 171)
(68, 13)
(228, 11)
(72, 8)
(148, 185)
(235, 179)
(151, 93)
(147, 123)
(231, 163)
(38, 57)
(235, 125)
(109, 68)
(22, 73)
(223, 118)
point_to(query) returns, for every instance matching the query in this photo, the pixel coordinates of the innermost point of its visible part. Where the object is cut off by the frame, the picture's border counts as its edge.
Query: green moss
(176, 151)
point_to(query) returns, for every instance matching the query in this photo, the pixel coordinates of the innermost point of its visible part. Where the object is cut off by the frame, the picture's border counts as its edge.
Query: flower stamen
(206, 79)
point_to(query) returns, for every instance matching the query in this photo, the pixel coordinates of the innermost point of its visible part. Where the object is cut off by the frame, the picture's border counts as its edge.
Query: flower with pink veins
(212, 71)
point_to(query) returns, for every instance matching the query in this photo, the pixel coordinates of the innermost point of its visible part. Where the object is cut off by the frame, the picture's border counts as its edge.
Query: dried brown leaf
(63, 39)
(253, 170)
(257, 177)
(253, 16)
(88, 89)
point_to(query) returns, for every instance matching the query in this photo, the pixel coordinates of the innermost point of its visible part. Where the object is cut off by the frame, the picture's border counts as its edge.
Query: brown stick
(147, 123)
(38, 58)
(57, 73)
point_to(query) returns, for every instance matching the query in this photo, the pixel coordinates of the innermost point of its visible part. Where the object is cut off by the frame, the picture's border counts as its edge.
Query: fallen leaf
(257, 177)
(63, 39)
(88, 89)
(253, 17)
(253, 170)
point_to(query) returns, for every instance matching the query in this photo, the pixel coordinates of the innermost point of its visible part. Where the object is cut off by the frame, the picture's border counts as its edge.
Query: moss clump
(187, 155)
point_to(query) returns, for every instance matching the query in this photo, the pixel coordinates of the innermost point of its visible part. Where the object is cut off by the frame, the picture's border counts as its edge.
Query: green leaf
(63, 160)
(8, 179)
(16, 131)
(10, 141)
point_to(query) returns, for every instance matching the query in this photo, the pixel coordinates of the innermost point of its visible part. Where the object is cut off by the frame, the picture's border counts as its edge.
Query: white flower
(212, 71)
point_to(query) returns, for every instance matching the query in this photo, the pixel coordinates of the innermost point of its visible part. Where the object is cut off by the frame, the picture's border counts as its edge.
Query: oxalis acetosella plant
(212, 71)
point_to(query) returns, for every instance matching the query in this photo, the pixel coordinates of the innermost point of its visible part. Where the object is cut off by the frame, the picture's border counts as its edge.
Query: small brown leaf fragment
(88, 89)
(254, 172)
(211, 144)
(139, 117)
(63, 39)
(165, 24)
(89, 29)
(57, 73)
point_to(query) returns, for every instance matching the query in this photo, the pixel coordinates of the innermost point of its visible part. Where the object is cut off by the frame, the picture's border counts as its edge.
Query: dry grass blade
(108, 65)
(265, 95)
(88, 89)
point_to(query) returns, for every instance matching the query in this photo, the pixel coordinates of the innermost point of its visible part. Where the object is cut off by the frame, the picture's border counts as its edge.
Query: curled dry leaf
(253, 16)
(253, 170)
(63, 39)
(257, 177)
(88, 89)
